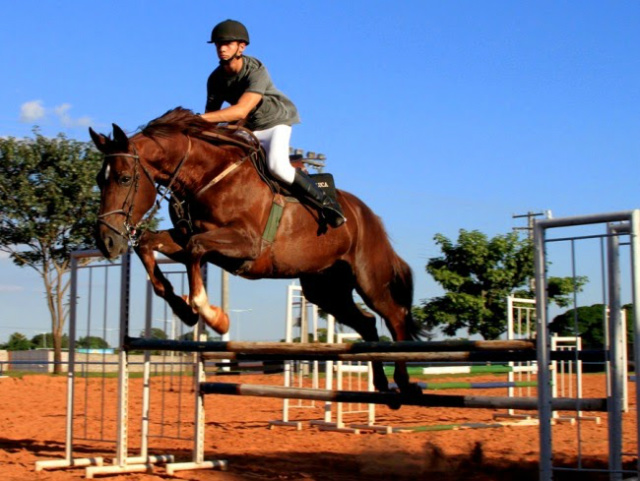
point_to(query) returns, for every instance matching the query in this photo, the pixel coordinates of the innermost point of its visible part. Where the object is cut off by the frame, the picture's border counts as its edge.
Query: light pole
(530, 224)
(224, 296)
(239, 312)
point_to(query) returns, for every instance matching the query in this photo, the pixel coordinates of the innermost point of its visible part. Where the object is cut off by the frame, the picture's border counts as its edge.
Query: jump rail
(393, 398)
(474, 351)
(322, 348)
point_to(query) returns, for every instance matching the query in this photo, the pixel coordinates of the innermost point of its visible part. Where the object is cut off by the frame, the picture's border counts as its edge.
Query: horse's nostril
(108, 241)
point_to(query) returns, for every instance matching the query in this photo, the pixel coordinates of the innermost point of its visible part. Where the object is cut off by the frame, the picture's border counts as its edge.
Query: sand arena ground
(32, 427)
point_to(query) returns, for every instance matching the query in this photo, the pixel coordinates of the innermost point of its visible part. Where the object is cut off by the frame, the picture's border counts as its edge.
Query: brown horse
(223, 206)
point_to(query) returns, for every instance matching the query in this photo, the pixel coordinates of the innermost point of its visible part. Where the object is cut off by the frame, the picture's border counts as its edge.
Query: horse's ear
(100, 140)
(120, 139)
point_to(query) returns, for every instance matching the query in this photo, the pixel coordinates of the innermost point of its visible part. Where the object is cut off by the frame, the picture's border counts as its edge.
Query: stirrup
(333, 215)
(335, 221)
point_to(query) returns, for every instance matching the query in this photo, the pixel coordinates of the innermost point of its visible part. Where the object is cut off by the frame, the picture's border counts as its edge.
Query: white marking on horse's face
(107, 171)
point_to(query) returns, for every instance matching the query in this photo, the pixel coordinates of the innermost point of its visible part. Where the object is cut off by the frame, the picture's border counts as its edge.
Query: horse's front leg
(166, 243)
(226, 242)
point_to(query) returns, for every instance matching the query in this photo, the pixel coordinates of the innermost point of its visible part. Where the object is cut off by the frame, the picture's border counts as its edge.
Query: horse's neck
(171, 168)
(226, 163)
(196, 164)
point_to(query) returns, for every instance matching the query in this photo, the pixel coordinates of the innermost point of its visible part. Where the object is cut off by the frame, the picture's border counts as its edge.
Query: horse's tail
(392, 272)
(401, 287)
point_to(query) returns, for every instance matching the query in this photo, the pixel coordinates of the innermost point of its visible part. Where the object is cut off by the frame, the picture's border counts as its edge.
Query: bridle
(133, 232)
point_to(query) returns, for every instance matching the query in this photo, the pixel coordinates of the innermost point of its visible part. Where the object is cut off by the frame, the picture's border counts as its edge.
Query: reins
(167, 191)
(224, 173)
(254, 150)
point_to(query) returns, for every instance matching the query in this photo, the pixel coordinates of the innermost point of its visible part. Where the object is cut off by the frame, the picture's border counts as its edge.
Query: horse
(220, 205)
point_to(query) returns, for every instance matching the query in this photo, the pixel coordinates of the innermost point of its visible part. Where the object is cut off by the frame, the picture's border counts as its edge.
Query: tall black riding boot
(328, 207)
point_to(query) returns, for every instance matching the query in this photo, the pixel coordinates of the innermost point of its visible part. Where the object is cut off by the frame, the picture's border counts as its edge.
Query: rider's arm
(246, 103)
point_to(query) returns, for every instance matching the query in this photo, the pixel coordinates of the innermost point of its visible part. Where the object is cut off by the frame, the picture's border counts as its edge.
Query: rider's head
(231, 38)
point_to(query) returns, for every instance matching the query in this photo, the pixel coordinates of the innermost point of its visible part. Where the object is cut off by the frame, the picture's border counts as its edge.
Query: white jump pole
(69, 460)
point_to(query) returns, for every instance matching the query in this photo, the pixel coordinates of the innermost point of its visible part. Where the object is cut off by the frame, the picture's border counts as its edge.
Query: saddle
(244, 138)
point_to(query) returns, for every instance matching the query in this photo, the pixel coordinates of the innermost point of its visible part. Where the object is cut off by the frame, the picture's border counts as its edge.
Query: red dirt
(32, 427)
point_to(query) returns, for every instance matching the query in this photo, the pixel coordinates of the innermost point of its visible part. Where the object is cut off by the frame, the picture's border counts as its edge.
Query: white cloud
(62, 112)
(32, 111)
(35, 110)
(84, 121)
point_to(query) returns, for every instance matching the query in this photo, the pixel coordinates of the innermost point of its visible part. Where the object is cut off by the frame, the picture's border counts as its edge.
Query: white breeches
(276, 143)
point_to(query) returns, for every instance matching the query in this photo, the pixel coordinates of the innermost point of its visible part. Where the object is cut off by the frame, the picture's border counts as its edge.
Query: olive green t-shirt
(274, 109)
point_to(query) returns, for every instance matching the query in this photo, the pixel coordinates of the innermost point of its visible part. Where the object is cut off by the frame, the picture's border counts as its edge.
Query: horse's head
(127, 192)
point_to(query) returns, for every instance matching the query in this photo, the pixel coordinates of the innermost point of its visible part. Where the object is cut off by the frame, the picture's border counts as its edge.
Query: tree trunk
(55, 288)
(57, 354)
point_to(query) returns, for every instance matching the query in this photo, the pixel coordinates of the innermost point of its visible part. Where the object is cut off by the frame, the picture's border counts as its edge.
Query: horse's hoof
(189, 318)
(407, 390)
(395, 405)
(391, 403)
(411, 389)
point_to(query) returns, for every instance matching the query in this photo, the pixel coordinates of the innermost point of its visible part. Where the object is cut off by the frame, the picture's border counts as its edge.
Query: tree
(18, 342)
(42, 341)
(419, 316)
(477, 274)
(49, 209)
(156, 333)
(92, 342)
(590, 324)
(561, 289)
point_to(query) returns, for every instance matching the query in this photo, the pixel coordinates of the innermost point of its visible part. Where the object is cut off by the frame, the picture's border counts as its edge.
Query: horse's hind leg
(396, 318)
(388, 290)
(332, 291)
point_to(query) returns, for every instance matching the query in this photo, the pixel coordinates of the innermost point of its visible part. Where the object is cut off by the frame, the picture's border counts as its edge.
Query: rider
(244, 83)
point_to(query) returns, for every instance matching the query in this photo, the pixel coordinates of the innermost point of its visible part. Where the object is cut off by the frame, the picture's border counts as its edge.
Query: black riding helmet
(229, 31)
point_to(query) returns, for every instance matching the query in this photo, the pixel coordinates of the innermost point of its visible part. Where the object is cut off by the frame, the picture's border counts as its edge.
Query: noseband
(132, 232)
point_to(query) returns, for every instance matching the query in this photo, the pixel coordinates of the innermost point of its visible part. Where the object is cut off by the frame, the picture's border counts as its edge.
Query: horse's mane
(176, 121)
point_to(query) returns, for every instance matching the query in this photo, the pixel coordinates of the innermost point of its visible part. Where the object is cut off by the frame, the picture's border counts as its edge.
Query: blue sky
(440, 115)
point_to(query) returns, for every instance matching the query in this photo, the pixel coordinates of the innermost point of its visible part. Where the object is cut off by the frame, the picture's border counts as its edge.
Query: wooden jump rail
(393, 398)
(261, 348)
(494, 356)
(441, 351)
(466, 357)
(376, 351)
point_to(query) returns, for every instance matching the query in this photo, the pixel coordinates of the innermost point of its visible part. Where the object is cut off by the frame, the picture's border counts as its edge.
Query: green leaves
(477, 274)
(49, 204)
(560, 289)
(18, 342)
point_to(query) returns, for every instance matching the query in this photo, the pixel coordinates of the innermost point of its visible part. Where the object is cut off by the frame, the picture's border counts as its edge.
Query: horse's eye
(125, 180)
